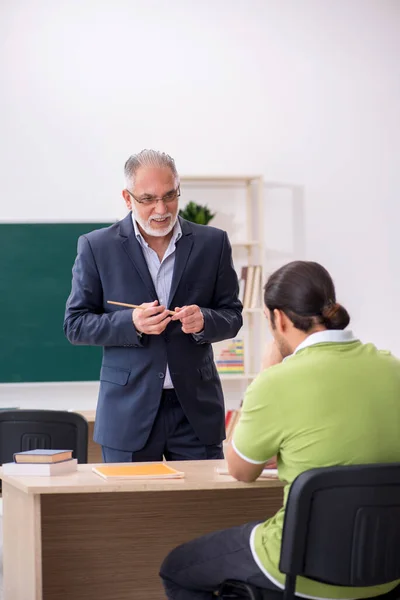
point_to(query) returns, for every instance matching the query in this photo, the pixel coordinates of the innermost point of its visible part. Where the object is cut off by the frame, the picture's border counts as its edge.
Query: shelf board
(237, 376)
(280, 254)
(205, 178)
(245, 243)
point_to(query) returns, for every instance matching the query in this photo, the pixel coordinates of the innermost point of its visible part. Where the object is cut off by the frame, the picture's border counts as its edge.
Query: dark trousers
(195, 570)
(171, 437)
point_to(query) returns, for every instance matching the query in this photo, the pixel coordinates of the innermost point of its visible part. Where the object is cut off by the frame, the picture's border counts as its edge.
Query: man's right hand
(152, 319)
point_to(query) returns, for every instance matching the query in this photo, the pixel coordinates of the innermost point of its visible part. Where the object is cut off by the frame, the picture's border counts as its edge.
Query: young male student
(325, 399)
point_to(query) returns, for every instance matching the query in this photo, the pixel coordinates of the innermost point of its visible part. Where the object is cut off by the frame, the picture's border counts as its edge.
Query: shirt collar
(176, 232)
(329, 336)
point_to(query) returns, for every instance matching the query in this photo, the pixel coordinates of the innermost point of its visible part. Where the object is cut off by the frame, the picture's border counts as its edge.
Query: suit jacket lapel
(182, 252)
(134, 250)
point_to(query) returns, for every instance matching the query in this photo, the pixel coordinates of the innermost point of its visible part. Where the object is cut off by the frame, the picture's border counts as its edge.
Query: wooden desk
(80, 536)
(94, 450)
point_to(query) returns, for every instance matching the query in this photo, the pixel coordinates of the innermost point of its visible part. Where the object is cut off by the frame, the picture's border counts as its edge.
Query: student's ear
(280, 321)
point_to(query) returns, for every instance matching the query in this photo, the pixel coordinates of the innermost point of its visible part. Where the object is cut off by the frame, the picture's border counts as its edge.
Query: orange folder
(138, 471)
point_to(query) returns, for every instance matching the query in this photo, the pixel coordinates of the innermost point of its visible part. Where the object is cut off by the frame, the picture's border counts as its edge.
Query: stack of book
(250, 285)
(231, 359)
(41, 462)
(231, 418)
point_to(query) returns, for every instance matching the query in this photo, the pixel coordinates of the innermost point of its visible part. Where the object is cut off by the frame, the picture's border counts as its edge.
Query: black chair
(22, 430)
(342, 527)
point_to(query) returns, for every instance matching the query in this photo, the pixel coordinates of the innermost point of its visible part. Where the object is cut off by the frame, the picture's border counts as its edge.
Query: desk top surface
(89, 415)
(199, 475)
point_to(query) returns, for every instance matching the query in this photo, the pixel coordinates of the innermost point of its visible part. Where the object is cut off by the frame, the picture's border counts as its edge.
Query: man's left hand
(191, 318)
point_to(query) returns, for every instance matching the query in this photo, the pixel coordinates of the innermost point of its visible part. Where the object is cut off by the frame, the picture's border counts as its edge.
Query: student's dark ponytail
(335, 316)
(305, 292)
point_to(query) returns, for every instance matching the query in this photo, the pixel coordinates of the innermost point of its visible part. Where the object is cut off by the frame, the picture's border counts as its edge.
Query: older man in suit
(160, 393)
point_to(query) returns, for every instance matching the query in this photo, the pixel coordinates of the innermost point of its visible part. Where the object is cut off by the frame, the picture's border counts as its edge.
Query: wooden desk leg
(22, 550)
(111, 545)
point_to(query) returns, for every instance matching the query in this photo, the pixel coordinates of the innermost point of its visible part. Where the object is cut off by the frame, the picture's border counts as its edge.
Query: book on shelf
(228, 417)
(250, 286)
(138, 471)
(40, 469)
(242, 284)
(42, 455)
(255, 299)
(230, 360)
(230, 423)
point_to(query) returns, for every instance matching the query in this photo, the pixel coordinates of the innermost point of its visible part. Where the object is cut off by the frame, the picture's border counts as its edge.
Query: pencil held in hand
(124, 304)
(131, 305)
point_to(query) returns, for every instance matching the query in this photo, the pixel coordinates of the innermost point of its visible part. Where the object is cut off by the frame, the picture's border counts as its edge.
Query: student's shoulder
(284, 375)
(269, 390)
(271, 378)
(385, 357)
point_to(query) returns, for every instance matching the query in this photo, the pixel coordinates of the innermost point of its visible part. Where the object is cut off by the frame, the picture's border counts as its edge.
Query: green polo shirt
(335, 401)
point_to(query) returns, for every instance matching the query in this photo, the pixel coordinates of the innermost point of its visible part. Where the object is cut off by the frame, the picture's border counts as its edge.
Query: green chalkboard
(35, 280)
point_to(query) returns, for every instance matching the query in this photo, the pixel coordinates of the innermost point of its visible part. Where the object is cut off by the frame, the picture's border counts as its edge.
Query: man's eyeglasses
(153, 200)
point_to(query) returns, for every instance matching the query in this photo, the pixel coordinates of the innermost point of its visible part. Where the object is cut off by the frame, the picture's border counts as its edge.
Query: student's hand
(271, 356)
(191, 318)
(152, 319)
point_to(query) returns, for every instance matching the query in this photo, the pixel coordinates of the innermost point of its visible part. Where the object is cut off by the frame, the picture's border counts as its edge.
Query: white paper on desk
(267, 473)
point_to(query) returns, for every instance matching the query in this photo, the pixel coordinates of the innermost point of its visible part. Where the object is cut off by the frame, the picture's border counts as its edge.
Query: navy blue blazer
(110, 266)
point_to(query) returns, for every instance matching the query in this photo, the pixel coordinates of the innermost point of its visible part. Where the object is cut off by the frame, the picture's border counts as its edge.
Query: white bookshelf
(244, 244)
(239, 206)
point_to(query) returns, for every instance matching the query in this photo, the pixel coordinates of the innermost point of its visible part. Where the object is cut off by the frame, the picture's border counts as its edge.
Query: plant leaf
(196, 213)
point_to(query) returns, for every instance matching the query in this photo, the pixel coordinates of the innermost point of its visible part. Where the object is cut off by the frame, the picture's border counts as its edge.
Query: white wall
(302, 92)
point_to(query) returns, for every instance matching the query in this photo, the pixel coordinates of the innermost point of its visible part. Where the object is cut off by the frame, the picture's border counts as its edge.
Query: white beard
(147, 228)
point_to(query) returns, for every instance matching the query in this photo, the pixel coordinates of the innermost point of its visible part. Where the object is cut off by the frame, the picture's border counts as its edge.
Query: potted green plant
(196, 213)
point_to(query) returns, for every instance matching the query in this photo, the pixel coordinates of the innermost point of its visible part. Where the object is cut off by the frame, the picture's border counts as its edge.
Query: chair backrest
(22, 430)
(342, 525)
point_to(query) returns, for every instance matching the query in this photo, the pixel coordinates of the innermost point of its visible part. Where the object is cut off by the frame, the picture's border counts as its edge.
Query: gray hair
(148, 158)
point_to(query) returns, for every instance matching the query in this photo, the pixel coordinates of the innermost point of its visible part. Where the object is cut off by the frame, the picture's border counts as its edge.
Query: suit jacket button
(161, 375)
